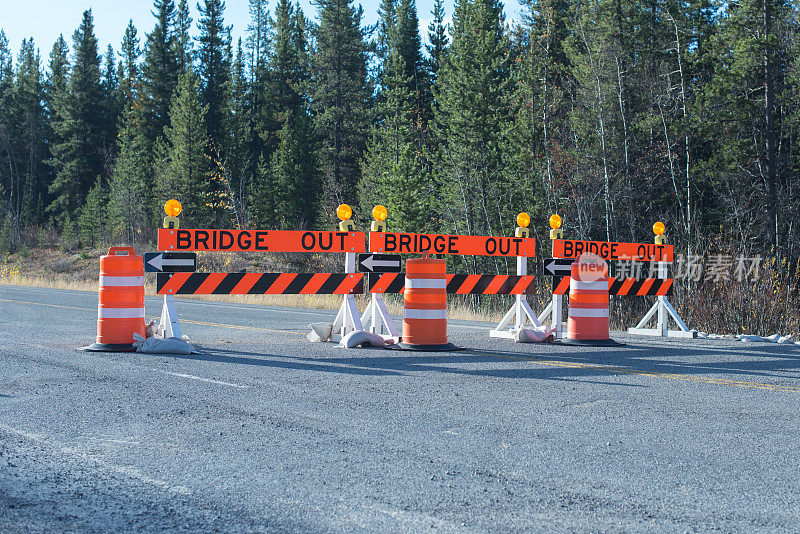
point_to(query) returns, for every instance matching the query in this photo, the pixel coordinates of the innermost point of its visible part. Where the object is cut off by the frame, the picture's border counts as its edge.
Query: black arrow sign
(557, 266)
(379, 263)
(170, 262)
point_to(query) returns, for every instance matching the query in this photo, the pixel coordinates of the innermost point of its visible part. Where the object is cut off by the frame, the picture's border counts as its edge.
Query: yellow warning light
(555, 221)
(523, 220)
(379, 212)
(172, 208)
(344, 212)
(658, 228)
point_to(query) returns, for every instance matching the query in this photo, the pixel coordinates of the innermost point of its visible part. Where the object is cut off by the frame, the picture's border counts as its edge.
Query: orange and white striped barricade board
(626, 287)
(347, 284)
(260, 283)
(457, 284)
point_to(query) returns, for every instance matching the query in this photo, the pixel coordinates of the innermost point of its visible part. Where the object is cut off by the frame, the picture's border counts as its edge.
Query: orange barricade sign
(467, 245)
(570, 248)
(260, 240)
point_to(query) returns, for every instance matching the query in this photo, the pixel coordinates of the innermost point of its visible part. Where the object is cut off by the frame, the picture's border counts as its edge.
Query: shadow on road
(571, 364)
(270, 360)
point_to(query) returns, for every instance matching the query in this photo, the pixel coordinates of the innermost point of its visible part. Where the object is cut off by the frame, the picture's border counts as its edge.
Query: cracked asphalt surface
(264, 431)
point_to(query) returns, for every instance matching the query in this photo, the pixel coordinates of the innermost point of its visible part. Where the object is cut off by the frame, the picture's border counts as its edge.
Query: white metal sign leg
(169, 325)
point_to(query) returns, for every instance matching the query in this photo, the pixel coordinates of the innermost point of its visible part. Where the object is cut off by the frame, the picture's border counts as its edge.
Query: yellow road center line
(202, 323)
(51, 305)
(239, 327)
(671, 376)
(551, 363)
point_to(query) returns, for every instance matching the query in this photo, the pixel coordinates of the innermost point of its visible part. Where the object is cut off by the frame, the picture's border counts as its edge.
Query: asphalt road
(264, 431)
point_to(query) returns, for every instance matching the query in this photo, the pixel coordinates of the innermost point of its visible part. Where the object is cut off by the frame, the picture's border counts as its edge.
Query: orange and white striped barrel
(120, 306)
(588, 304)
(425, 303)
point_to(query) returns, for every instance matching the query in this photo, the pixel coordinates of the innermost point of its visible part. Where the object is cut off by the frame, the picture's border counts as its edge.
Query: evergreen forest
(612, 113)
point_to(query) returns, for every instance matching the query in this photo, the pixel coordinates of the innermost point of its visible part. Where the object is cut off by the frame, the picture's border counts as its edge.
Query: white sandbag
(359, 338)
(773, 338)
(748, 338)
(702, 334)
(158, 345)
(540, 334)
(319, 332)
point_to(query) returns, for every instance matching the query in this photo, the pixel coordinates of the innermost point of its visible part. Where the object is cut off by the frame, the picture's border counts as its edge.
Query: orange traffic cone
(425, 303)
(587, 323)
(120, 308)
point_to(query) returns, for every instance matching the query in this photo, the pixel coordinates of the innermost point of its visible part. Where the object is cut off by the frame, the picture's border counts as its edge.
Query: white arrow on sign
(159, 262)
(371, 263)
(558, 266)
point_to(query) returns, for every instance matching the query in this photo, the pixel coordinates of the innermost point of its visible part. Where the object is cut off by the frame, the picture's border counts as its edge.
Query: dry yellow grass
(11, 276)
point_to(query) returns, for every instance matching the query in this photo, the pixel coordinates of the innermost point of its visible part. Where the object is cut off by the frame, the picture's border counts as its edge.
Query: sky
(44, 20)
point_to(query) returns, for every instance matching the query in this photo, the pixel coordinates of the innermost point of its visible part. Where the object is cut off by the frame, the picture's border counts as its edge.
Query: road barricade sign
(465, 245)
(570, 248)
(459, 284)
(260, 283)
(171, 239)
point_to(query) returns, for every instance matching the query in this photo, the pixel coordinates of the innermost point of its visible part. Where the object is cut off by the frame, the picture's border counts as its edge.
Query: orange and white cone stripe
(588, 306)
(120, 307)
(425, 300)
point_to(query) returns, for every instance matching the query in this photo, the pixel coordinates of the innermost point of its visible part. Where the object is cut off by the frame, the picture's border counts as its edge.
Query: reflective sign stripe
(425, 314)
(588, 312)
(111, 280)
(600, 285)
(426, 283)
(119, 313)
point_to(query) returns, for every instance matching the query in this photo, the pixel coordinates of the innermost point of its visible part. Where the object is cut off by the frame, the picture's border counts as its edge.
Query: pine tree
(472, 120)
(30, 119)
(541, 129)
(131, 202)
(437, 40)
(750, 50)
(112, 104)
(386, 25)
(183, 40)
(295, 173)
(341, 97)
(130, 52)
(55, 89)
(93, 215)
(212, 66)
(393, 167)
(59, 68)
(289, 63)
(11, 185)
(77, 153)
(293, 166)
(261, 201)
(188, 173)
(258, 40)
(160, 69)
(262, 107)
(239, 163)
